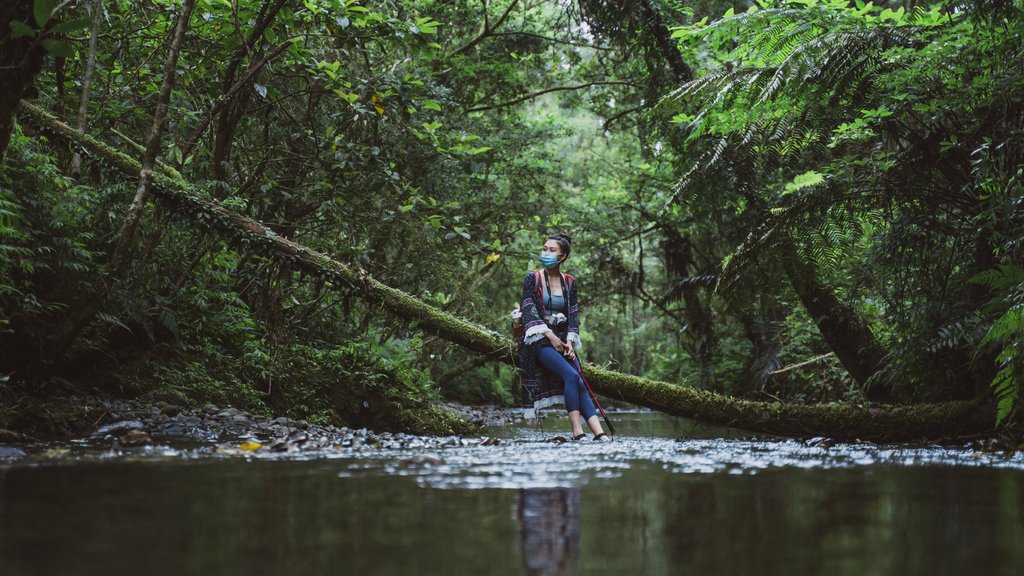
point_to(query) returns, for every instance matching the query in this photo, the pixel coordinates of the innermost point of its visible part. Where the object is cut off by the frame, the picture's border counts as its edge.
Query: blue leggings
(576, 396)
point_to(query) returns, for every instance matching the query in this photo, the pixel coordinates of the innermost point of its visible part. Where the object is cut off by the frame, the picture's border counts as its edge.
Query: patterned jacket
(540, 387)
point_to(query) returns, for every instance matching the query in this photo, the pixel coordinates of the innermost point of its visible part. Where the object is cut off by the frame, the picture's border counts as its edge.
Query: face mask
(548, 259)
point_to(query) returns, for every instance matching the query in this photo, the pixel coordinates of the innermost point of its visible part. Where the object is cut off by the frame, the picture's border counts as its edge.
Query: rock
(118, 427)
(283, 420)
(10, 453)
(820, 442)
(298, 437)
(170, 410)
(211, 409)
(490, 442)
(302, 424)
(240, 418)
(228, 413)
(135, 438)
(173, 429)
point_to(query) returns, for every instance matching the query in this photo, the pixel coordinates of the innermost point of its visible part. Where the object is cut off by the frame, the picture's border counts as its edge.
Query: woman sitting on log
(547, 351)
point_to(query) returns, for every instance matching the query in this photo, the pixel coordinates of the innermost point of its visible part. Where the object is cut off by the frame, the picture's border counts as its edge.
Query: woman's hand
(556, 342)
(569, 352)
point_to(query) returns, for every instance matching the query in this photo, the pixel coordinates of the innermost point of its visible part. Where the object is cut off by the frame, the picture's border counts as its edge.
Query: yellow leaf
(250, 446)
(494, 257)
(377, 101)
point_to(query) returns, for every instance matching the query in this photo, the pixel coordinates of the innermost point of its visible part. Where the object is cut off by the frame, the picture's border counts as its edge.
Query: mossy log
(879, 423)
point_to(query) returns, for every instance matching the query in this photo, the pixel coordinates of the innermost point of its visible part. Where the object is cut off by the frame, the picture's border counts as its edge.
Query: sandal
(598, 437)
(578, 437)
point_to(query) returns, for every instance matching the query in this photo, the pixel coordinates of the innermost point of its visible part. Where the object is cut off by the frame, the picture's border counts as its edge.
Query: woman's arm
(532, 320)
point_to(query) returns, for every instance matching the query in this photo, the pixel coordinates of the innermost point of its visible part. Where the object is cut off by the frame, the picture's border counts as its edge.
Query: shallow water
(668, 497)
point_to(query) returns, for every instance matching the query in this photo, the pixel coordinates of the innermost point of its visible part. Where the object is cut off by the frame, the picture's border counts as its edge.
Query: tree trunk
(841, 421)
(80, 317)
(90, 69)
(841, 327)
(20, 61)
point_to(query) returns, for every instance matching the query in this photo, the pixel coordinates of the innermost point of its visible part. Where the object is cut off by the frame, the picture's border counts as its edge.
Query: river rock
(135, 438)
(211, 409)
(118, 427)
(170, 410)
(10, 453)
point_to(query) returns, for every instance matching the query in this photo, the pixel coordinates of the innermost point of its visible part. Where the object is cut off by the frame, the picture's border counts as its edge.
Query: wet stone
(135, 438)
(170, 410)
(118, 427)
(10, 453)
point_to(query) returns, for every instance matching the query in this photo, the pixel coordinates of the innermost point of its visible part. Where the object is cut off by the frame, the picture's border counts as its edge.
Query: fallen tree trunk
(841, 421)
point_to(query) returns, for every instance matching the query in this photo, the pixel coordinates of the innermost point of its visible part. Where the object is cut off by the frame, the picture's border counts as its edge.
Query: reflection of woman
(550, 523)
(547, 352)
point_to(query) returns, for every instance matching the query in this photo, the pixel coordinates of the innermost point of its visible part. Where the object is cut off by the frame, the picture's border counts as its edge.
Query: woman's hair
(564, 241)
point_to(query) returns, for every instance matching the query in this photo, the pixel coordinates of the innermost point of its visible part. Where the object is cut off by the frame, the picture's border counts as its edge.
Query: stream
(667, 497)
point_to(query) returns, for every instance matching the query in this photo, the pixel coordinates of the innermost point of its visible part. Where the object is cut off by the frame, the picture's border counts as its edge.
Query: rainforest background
(799, 201)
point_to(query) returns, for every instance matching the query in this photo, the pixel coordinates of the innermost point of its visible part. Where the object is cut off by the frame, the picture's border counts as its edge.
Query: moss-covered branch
(841, 421)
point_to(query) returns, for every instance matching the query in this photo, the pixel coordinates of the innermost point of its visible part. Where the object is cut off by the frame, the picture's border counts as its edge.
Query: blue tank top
(554, 303)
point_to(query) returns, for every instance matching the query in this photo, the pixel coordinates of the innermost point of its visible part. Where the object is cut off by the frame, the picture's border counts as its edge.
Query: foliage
(869, 154)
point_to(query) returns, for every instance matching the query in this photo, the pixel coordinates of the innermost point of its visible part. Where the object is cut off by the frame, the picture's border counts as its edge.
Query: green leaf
(69, 26)
(58, 48)
(431, 105)
(43, 10)
(20, 29)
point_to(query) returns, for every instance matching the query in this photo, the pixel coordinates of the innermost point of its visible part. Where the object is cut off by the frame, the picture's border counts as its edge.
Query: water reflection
(549, 521)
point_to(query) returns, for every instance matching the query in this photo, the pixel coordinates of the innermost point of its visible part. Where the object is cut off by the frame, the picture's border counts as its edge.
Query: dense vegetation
(829, 182)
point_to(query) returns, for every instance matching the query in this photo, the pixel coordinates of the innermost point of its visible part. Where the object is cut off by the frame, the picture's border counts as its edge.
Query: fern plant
(1007, 336)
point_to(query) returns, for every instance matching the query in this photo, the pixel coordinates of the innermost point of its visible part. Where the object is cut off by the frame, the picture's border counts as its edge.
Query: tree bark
(231, 112)
(842, 328)
(840, 421)
(20, 60)
(131, 221)
(90, 70)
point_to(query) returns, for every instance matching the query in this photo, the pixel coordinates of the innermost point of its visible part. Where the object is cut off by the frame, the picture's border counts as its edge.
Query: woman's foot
(602, 437)
(578, 437)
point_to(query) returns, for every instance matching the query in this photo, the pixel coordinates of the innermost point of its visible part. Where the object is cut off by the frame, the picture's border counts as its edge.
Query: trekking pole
(579, 370)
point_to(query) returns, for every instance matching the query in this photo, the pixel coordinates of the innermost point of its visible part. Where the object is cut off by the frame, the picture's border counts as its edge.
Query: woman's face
(552, 247)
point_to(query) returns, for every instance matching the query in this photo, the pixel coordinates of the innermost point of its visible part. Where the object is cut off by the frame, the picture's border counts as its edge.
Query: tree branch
(227, 96)
(550, 39)
(487, 31)
(548, 91)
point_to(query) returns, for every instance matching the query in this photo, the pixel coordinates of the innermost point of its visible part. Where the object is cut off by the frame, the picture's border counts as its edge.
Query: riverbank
(100, 423)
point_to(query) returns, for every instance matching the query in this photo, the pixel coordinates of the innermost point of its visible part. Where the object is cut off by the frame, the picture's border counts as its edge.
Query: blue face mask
(548, 259)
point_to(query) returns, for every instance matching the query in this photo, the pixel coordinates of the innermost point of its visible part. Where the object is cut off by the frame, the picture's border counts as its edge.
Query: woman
(547, 351)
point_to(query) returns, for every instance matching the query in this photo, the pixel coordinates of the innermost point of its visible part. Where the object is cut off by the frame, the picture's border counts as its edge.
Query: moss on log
(879, 423)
